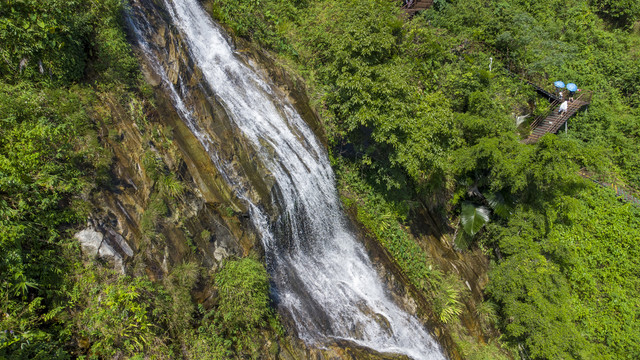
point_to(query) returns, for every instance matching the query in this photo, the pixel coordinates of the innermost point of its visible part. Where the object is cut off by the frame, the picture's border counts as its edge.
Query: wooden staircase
(553, 121)
(418, 5)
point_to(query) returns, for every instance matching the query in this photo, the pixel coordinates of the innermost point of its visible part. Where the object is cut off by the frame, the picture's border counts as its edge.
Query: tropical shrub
(244, 296)
(116, 315)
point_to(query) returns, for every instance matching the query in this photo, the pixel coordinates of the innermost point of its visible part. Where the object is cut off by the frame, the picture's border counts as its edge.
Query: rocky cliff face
(166, 202)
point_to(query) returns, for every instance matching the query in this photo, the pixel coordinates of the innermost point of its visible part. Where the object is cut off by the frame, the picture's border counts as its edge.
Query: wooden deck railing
(584, 95)
(623, 191)
(413, 6)
(536, 121)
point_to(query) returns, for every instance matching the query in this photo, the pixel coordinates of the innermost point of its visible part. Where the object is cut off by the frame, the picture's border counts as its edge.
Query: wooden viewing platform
(417, 5)
(552, 121)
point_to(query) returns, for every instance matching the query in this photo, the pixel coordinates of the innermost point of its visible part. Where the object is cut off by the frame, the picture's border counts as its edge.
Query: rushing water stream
(322, 275)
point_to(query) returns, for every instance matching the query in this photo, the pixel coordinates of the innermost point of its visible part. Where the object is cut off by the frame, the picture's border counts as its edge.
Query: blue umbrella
(572, 87)
(558, 84)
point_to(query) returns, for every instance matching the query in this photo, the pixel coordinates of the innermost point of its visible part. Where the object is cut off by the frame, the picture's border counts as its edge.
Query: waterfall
(322, 276)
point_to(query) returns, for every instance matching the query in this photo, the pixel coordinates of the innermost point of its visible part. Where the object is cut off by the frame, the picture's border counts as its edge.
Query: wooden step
(419, 6)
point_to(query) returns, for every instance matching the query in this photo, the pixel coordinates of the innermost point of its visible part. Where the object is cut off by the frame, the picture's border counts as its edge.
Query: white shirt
(563, 107)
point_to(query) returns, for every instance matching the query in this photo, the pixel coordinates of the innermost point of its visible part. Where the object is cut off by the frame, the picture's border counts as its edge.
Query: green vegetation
(416, 117)
(115, 317)
(568, 280)
(244, 306)
(49, 159)
(243, 285)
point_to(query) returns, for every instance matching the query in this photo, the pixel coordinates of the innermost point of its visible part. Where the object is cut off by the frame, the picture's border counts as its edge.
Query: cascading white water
(322, 275)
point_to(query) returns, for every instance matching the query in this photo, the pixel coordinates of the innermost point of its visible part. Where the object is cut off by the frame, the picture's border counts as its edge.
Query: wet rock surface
(201, 223)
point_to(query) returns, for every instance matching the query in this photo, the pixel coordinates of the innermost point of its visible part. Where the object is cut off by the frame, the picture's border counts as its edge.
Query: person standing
(559, 86)
(572, 88)
(563, 107)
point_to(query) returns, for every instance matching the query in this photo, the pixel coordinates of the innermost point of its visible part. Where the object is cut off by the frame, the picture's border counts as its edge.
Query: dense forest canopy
(414, 115)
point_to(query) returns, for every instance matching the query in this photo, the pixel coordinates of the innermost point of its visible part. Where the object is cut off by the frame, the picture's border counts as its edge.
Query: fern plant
(446, 303)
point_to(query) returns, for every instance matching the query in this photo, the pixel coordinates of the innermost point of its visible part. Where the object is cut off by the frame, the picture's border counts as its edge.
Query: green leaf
(498, 205)
(473, 218)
